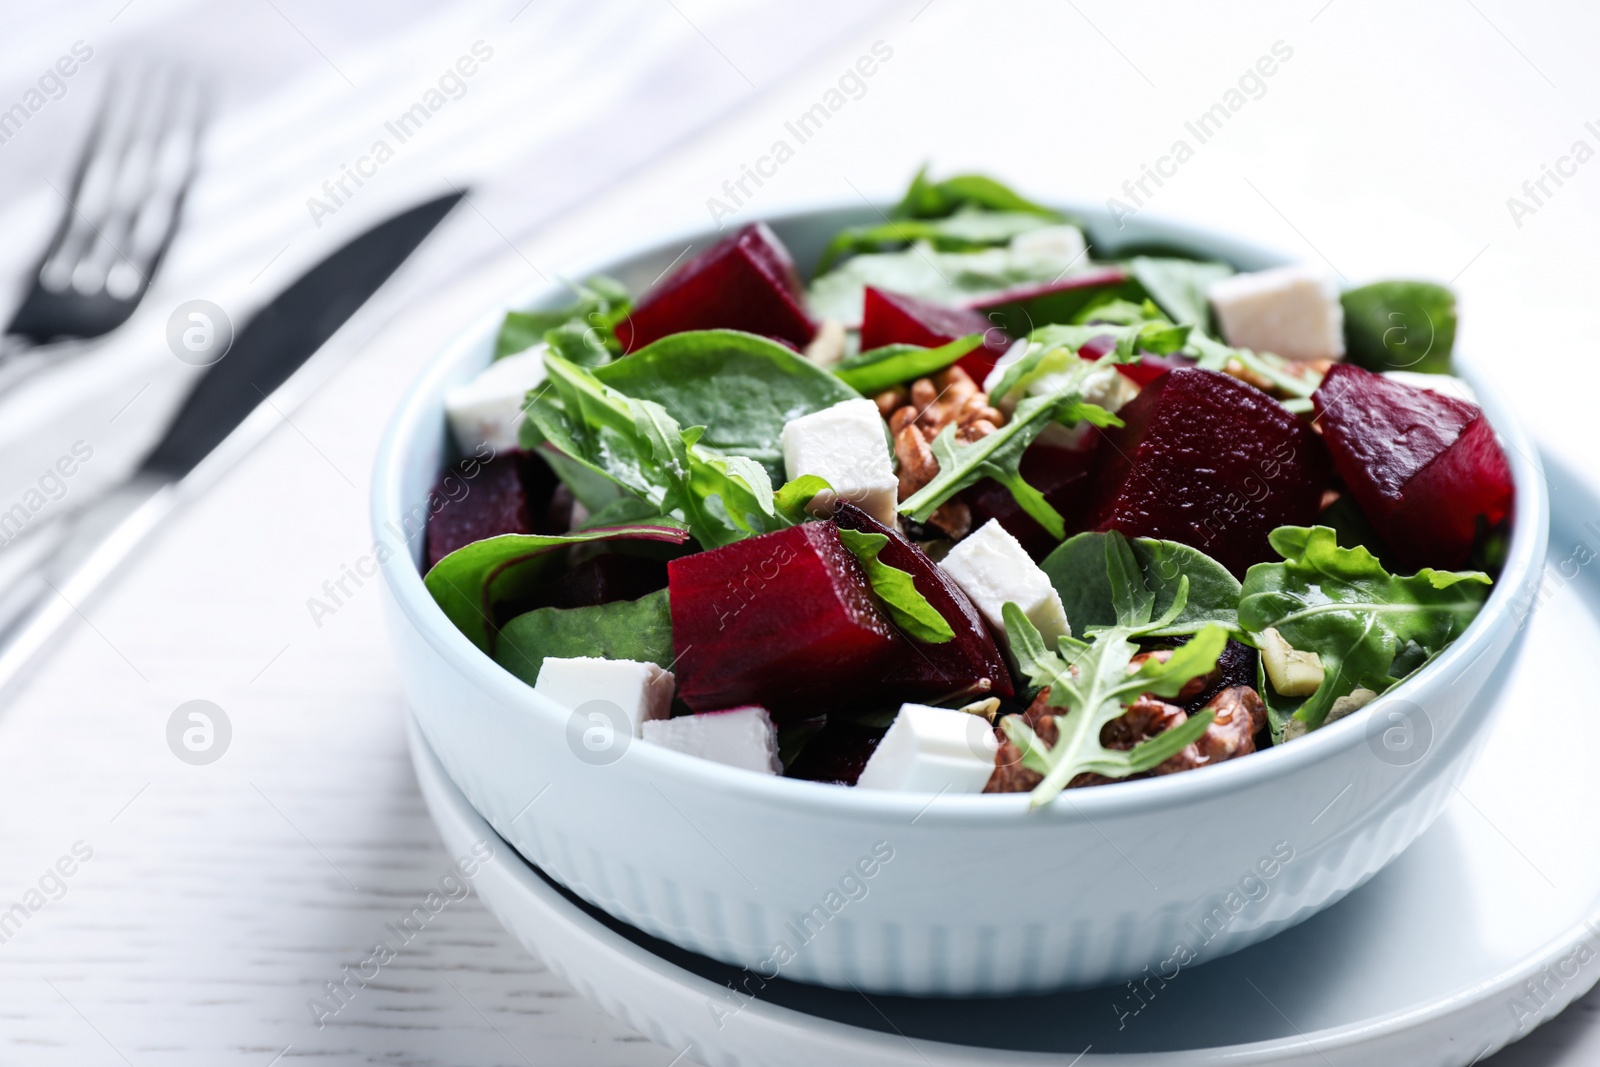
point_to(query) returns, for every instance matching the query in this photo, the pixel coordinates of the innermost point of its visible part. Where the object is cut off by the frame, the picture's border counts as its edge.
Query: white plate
(1482, 930)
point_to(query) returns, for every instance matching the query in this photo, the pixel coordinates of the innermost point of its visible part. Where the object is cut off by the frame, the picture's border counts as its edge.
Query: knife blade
(48, 576)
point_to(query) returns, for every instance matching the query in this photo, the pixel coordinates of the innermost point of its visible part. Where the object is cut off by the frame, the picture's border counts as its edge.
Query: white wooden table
(219, 899)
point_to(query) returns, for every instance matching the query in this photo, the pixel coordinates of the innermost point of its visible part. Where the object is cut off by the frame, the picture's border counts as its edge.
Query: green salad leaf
(639, 630)
(895, 589)
(936, 200)
(877, 369)
(1343, 605)
(581, 332)
(1400, 325)
(639, 446)
(997, 456)
(1091, 682)
(967, 229)
(1179, 286)
(1077, 569)
(794, 497)
(742, 388)
(468, 582)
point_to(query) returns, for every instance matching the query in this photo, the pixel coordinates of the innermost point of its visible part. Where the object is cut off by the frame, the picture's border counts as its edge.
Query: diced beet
(475, 500)
(1238, 666)
(744, 282)
(786, 620)
(966, 662)
(1208, 461)
(1060, 474)
(1098, 347)
(607, 577)
(838, 752)
(1026, 307)
(1424, 467)
(894, 318)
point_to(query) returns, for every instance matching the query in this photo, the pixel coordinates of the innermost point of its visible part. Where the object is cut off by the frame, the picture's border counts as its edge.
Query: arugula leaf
(581, 331)
(967, 229)
(625, 629)
(997, 456)
(1343, 605)
(877, 369)
(794, 497)
(1179, 286)
(1078, 570)
(1091, 682)
(467, 583)
(934, 200)
(1400, 325)
(741, 387)
(639, 446)
(1053, 350)
(895, 589)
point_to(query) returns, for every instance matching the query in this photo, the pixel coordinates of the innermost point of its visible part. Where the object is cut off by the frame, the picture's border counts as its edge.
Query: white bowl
(967, 895)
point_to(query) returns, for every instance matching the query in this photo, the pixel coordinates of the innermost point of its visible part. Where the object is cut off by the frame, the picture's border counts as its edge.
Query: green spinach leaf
(1077, 568)
(877, 369)
(625, 629)
(935, 200)
(1179, 287)
(969, 228)
(580, 332)
(895, 589)
(1400, 325)
(742, 388)
(1343, 605)
(467, 583)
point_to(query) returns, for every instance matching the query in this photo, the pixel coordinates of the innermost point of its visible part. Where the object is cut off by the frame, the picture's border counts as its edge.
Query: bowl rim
(1518, 581)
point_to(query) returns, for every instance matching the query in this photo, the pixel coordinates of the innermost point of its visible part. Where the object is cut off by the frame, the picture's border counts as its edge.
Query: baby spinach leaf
(879, 368)
(1179, 286)
(998, 455)
(624, 629)
(1078, 569)
(794, 497)
(967, 229)
(895, 589)
(742, 388)
(935, 200)
(467, 583)
(1400, 325)
(581, 331)
(1343, 605)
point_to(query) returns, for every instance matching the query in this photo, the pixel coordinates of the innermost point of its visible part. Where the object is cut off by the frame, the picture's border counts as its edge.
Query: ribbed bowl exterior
(948, 896)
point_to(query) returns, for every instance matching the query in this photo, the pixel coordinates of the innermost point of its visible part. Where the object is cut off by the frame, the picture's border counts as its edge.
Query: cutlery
(232, 407)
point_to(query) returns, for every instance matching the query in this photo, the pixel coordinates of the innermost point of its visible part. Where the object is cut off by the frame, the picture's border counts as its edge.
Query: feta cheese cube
(490, 407)
(992, 568)
(739, 737)
(1062, 244)
(1293, 312)
(848, 445)
(932, 750)
(1444, 384)
(640, 691)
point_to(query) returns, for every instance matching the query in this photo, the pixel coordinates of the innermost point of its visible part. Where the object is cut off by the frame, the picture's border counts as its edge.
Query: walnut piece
(948, 397)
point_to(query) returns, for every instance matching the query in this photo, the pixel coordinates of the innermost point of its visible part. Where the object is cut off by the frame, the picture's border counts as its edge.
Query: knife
(48, 576)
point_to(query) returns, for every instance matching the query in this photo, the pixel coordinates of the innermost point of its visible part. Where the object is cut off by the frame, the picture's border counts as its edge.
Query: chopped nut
(890, 400)
(1344, 705)
(1293, 673)
(934, 403)
(827, 347)
(1240, 713)
(985, 708)
(1238, 370)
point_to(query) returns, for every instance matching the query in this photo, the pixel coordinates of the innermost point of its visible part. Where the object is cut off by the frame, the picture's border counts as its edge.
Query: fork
(120, 215)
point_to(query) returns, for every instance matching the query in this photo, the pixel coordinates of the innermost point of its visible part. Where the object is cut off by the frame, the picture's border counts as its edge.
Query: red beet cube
(837, 753)
(786, 620)
(743, 282)
(1206, 460)
(1425, 468)
(1024, 308)
(970, 661)
(1060, 474)
(474, 500)
(894, 318)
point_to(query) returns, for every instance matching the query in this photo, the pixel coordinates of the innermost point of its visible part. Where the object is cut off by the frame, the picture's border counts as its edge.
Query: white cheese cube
(739, 737)
(1011, 355)
(1443, 384)
(848, 446)
(640, 691)
(490, 407)
(992, 568)
(1061, 244)
(1293, 312)
(932, 750)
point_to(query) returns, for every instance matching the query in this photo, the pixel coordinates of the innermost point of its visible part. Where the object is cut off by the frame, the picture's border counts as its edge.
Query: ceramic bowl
(947, 895)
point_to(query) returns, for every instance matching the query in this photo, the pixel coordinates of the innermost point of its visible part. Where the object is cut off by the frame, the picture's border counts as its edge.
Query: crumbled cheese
(847, 445)
(1062, 244)
(1105, 386)
(1293, 673)
(1293, 312)
(640, 691)
(992, 568)
(739, 737)
(932, 750)
(490, 407)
